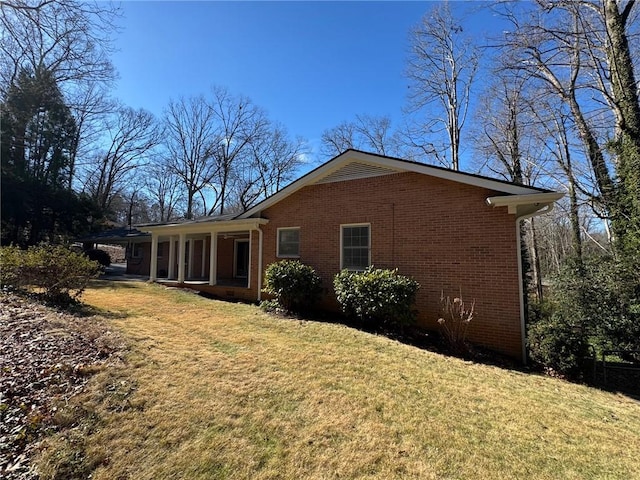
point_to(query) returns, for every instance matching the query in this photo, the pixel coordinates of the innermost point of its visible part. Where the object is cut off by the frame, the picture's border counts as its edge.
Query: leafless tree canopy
(442, 66)
(366, 132)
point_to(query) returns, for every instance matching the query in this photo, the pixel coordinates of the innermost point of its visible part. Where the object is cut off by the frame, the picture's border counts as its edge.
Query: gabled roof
(355, 164)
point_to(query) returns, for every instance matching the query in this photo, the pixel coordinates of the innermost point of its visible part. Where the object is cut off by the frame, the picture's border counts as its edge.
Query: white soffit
(356, 171)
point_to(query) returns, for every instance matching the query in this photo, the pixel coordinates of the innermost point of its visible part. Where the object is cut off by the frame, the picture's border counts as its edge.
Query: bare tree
(131, 135)
(366, 132)
(442, 66)
(190, 139)
(273, 164)
(239, 124)
(579, 51)
(507, 137)
(163, 188)
(69, 38)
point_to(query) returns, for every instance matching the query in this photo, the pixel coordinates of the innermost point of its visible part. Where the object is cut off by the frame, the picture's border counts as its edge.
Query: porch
(219, 258)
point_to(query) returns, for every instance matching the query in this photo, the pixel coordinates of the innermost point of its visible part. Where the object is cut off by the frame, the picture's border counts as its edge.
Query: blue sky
(310, 65)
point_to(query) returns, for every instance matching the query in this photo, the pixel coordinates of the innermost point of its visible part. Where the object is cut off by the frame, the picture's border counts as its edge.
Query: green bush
(10, 261)
(60, 273)
(558, 344)
(294, 285)
(602, 295)
(377, 295)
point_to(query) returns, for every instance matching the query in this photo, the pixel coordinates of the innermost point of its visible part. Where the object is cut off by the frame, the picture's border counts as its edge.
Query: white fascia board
(532, 202)
(394, 164)
(206, 227)
(308, 179)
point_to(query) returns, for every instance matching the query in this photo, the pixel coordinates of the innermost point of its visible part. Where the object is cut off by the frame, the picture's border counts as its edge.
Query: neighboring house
(453, 232)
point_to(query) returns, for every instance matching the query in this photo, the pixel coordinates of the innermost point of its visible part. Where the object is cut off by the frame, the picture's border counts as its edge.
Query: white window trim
(236, 241)
(278, 254)
(349, 225)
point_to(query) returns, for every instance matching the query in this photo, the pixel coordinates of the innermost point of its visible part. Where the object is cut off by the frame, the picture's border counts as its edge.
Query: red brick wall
(439, 232)
(141, 265)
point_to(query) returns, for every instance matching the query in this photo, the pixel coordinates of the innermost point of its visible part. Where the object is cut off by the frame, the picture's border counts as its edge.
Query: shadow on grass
(624, 382)
(413, 335)
(114, 284)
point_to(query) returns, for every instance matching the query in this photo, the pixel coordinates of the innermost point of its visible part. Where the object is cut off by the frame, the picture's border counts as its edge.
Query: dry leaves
(46, 357)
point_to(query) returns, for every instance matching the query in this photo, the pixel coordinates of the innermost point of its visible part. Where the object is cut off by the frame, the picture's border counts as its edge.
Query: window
(288, 242)
(355, 243)
(136, 250)
(160, 250)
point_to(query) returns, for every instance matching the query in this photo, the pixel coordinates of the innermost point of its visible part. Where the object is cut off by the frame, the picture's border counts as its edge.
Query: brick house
(451, 231)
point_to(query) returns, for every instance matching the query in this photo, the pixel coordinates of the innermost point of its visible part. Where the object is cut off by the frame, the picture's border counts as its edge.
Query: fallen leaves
(46, 357)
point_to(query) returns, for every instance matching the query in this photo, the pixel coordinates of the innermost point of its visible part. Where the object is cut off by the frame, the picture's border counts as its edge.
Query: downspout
(259, 263)
(523, 334)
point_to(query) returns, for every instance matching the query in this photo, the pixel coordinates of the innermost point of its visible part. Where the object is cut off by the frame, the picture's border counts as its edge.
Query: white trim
(153, 263)
(205, 228)
(349, 225)
(260, 239)
(236, 241)
(278, 255)
(213, 259)
(524, 204)
(373, 160)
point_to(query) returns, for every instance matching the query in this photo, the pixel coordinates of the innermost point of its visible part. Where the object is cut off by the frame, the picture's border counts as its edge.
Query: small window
(355, 244)
(160, 250)
(136, 250)
(288, 242)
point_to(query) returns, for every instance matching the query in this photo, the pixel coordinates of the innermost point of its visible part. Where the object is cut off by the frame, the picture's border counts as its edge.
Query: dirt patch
(46, 357)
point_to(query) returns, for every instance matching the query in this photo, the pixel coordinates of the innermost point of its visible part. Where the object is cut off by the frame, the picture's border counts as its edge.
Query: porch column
(172, 258)
(153, 264)
(250, 262)
(192, 244)
(213, 259)
(181, 244)
(259, 263)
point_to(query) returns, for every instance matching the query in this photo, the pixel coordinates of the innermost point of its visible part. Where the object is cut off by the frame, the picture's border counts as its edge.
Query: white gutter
(534, 201)
(527, 206)
(260, 233)
(206, 227)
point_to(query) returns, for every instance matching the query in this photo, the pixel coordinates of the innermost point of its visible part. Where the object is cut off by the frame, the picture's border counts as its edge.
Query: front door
(241, 259)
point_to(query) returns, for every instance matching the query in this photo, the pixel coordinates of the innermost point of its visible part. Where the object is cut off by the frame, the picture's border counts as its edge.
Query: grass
(221, 390)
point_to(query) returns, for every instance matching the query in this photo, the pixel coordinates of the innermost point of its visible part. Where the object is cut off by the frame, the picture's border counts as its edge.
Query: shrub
(294, 285)
(558, 344)
(10, 261)
(100, 256)
(60, 273)
(454, 322)
(377, 295)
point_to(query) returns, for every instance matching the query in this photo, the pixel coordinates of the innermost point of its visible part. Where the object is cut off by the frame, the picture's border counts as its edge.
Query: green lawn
(220, 390)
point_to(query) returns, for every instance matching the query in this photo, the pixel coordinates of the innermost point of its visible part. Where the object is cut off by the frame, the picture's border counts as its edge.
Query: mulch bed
(46, 357)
